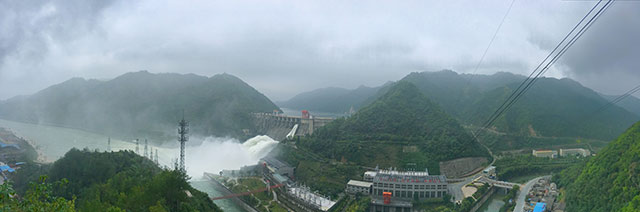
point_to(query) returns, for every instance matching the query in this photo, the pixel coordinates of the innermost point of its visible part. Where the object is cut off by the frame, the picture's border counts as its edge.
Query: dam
(279, 126)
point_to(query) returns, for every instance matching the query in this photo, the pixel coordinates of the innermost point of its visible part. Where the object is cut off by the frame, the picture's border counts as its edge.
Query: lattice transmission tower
(183, 131)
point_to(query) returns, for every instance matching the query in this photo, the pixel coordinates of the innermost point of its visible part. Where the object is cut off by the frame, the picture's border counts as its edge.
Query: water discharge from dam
(205, 154)
(215, 154)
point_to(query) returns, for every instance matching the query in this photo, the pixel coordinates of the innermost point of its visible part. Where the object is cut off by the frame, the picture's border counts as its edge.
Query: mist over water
(209, 154)
(215, 154)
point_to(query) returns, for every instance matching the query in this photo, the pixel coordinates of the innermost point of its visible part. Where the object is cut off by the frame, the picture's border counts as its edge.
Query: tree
(39, 198)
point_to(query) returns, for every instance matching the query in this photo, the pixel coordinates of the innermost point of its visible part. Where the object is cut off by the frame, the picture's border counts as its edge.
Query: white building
(575, 152)
(489, 171)
(545, 153)
(355, 186)
(369, 175)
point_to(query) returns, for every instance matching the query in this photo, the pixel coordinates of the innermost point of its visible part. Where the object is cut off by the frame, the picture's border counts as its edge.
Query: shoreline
(40, 158)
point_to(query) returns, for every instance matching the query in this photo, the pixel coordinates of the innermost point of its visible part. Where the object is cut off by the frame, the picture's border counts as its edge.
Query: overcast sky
(285, 47)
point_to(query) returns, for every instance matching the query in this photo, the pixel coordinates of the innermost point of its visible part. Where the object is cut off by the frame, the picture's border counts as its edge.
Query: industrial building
(394, 191)
(369, 175)
(356, 186)
(575, 152)
(489, 171)
(545, 153)
(278, 167)
(245, 171)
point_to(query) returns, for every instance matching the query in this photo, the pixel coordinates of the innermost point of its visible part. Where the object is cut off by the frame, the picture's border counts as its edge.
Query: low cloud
(283, 48)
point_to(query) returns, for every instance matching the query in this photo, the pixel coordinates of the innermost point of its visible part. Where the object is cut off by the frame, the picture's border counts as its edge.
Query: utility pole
(183, 130)
(137, 146)
(109, 144)
(146, 153)
(156, 159)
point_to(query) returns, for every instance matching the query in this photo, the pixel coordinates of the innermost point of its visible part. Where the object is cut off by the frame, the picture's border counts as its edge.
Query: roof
(359, 183)
(415, 177)
(275, 163)
(3, 145)
(540, 207)
(370, 173)
(6, 168)
(490, 168)
(280, 178)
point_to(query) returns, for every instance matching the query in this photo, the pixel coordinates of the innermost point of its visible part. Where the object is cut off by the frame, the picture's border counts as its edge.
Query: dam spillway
(277, 126)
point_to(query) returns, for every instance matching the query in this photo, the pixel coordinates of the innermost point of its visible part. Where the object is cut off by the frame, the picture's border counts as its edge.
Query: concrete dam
(280, 127)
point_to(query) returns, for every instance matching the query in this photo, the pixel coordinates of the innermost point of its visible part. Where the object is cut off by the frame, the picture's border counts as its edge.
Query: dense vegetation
(123, 181)
(630, 103)
(511, 167)
(402, 128)
(317, 172)
(510, 199)
(352, 203)
(551, 108)
(499, 142)
(608, 182)
(143, 104)
(39, 198)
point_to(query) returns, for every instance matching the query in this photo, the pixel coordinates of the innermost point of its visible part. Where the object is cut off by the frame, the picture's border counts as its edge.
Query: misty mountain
(630, 103)
(331, 99)
(401, 127)
(143, 104)
(552, 107)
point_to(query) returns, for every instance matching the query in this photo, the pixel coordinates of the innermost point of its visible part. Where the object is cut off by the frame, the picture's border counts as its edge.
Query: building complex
(394, 191)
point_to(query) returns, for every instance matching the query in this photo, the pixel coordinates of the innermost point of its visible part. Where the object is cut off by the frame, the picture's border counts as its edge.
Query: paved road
(455, 189)
(524, 191)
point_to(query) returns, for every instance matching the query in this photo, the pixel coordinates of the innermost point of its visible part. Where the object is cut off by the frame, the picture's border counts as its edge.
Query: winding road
(522, 195)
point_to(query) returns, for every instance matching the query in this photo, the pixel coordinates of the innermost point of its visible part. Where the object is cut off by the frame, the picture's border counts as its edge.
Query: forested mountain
(105, 181)
(551, 108)
(401, 127)
(630, 103)
(333, 100)
(610, 181)
(441, 85)
(143, 104)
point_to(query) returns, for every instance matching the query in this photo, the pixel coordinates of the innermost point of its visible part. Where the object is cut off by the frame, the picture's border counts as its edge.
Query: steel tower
(137, 146)
(146, 153)
(183, 131)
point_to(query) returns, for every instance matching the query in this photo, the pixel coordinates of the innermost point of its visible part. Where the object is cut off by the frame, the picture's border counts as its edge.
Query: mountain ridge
(143, 104)
(473, 98)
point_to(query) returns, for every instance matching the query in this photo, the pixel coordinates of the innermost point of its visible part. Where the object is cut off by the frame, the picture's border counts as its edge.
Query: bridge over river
(496, 183)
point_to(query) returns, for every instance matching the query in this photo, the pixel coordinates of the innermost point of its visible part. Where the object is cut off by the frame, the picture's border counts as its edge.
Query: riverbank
(54, 142)
(17, 149)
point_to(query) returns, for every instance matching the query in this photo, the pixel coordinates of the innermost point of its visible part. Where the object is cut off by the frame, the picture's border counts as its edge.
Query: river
(493, 204)
(204, 154)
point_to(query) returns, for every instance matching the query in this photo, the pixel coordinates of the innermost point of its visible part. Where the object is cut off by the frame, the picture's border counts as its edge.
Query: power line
(553, 60)
(616, 100)
(536, 69)
(530, 80)
(491, 41)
